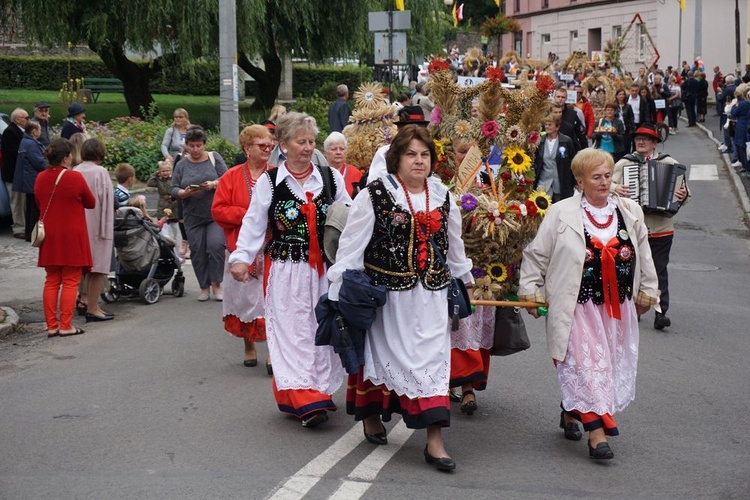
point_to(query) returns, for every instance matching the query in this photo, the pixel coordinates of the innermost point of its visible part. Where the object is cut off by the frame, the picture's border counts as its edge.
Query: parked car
(4, 122)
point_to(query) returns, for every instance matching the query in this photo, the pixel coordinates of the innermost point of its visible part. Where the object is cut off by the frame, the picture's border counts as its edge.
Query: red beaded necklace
(301, 175)
(600, 225)
(421, 224)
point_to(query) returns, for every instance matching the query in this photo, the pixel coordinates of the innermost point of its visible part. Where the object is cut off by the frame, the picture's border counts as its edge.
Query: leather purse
(38, 234)
(510, 332)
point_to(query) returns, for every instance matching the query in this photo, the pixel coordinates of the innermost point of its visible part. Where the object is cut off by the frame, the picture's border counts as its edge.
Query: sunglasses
(264, 147)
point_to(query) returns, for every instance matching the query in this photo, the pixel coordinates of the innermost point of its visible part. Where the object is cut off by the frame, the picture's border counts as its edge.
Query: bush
(309, 80)
(226, 149)
(317, 107)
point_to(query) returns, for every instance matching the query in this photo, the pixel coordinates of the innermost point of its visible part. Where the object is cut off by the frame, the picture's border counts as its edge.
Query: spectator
(125, 176)
(690, 97)
(674, 104)
(625, 113)
(609, 133)
(174, 137)
(74, 122)
(30, 162)
(570, 124)
(11, 141)
(725, 97)
(741, 112)
(552, 161)
(421, 99)
(335, 150)
(716, 84)
(339, 112)
(702, 96)
(584, 105)
(41, 116)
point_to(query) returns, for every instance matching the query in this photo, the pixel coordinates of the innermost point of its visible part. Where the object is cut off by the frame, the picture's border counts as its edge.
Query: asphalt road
(157, 404)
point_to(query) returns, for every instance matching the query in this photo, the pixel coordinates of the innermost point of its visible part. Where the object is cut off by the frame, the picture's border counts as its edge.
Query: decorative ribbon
(315, 259)
(609, 275)
(427, 224)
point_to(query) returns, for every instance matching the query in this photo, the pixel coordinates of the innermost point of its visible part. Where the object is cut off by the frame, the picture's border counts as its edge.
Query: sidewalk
(711, 128)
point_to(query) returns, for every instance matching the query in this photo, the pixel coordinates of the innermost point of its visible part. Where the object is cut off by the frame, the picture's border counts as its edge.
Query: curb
(744, 199)
(8, 321)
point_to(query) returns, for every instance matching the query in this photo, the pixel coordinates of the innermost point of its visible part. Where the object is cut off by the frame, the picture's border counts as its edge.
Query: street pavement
(157, 404)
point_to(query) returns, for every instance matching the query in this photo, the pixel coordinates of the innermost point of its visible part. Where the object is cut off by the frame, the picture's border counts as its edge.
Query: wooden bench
(98, 85)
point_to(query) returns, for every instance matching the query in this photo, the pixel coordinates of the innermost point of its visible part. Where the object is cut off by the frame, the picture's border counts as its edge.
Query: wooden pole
(507, 303)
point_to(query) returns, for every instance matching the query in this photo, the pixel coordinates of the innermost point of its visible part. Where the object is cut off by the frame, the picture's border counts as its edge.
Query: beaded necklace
(249, 177)
(301, 175)
(599, 225)
(422, 226)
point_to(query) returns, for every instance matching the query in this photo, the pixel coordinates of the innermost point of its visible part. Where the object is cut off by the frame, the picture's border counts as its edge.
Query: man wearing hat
(74, 122)
(408, 115)
(660, 227)
(41, 116)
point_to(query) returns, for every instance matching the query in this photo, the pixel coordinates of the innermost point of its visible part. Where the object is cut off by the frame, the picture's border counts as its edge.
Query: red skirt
(301, 402)
(364, 399)
(254, 331)
(470, 367)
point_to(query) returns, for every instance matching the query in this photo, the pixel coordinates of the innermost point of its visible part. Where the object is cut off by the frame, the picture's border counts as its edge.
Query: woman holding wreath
(592, 262)
(393, 233)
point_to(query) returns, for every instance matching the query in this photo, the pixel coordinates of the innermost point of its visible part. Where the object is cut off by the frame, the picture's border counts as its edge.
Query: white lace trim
(475, 332)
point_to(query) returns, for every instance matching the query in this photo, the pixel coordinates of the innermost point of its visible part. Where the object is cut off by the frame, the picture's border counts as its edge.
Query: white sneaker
(737, 164)
(203, 297)
(722, 148)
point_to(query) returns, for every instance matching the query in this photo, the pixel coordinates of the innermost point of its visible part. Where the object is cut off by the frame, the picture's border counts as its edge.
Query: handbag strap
(54, 188)
(439, 255)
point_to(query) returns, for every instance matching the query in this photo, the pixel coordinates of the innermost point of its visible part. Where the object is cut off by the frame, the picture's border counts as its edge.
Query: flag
(682, 4)
(497, 2)
(460, 13)
(399, 4)
(455, 15)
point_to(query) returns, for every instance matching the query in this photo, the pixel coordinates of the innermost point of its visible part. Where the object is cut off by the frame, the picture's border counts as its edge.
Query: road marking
(359, 480)
(703, 173)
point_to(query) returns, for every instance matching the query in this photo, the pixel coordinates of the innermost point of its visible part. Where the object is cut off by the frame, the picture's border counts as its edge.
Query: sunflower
(485, 289)
(541, 200)
(498, 272)
(439, 149)
(517, 160)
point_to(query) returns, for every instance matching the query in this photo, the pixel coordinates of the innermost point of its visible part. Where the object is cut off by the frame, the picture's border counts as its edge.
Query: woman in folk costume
(393, 232)
(242, 306)
(592, 262)
(290, 202)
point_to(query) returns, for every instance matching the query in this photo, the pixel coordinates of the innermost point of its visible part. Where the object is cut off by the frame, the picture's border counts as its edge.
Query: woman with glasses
(174, 137)
(243, 308)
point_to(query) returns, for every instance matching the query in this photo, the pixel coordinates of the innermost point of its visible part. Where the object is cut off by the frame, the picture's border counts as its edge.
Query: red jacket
(66, 239)
(231, 201)
(588, 116)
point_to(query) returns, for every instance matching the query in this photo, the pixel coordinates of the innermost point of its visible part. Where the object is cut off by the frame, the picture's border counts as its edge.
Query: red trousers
(60, 290)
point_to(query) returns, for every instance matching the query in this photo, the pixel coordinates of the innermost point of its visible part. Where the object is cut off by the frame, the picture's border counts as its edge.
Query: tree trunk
(268, 80)
(136, 79)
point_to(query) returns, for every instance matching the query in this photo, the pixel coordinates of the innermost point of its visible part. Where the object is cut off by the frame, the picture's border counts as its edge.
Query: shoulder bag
(37, 234)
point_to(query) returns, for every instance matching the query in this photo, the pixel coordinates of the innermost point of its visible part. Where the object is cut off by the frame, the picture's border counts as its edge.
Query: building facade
(705, 29)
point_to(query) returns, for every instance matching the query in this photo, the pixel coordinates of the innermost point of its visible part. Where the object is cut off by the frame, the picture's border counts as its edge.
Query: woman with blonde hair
(76, 142)
(174, 136)
(277, 112)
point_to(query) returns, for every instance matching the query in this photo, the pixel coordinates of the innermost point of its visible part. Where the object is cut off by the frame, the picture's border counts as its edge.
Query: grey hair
(291, 124)
(342, 90)
(334, 138)
(729, 79)
(14, 114)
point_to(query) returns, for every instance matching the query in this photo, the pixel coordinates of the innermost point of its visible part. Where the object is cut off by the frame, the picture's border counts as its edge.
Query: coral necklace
(301, 175)
(597, 224)
(425, 224)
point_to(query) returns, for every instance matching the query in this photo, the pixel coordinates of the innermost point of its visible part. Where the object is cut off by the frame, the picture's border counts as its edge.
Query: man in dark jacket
(339, 112)
(30, 162)
(722, 99)
(41, 116)
(690, 98)
(570, 124)
(10, 142)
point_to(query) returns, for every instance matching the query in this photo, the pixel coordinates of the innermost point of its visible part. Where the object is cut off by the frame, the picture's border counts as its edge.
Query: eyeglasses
(264, 147)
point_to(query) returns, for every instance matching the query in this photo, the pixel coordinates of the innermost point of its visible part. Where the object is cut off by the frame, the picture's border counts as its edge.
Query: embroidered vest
(591, 283)
(391, 255)
(290, 237)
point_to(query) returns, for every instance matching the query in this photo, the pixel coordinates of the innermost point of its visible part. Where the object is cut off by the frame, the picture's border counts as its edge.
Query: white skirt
(243, 299)
(475, 332)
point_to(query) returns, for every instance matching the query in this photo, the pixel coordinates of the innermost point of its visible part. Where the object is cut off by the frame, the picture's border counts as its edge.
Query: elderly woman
(65, 254)
(194, 181)
(592, 262)
(552, 161)
(29, 163)
(100, 223)
(290, 203)
(74, 122)
(174, 136)
(394, 232)
(243, 301)
(740, 111)
(334, 148)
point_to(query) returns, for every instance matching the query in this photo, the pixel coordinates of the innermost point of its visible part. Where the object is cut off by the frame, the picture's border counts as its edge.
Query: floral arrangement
(501, 215)
(499, 25)
(371, 125)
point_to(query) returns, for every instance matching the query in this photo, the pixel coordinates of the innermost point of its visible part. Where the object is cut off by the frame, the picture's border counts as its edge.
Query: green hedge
(48, 73)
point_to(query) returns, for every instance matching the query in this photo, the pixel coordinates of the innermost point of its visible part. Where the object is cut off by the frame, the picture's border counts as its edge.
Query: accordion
(653, 184)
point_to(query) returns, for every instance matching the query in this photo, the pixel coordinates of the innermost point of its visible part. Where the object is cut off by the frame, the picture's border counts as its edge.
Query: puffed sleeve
(254, 224)
(353, 242)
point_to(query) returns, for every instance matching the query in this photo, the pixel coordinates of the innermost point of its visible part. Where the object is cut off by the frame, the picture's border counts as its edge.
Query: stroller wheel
(149, 290)
(111, 294)
(178, 287)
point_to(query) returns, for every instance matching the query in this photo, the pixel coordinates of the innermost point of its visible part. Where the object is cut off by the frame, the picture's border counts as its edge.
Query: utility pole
(390, 49)
(228, 96)
(738, 52)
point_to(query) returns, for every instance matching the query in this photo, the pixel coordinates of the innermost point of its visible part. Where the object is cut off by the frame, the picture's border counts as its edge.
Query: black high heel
(379, 438)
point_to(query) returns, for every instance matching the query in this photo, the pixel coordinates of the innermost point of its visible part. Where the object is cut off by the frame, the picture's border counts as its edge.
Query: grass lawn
(203, 110)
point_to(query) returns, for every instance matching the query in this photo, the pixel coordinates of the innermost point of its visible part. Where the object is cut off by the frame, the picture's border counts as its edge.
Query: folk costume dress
(408, 348)
(470, 349)
(592, 327)
(243, 306)
(304, 375)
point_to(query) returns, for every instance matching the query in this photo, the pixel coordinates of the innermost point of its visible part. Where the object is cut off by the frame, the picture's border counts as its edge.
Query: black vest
(290, 237)
(391, 255)
(591, 283)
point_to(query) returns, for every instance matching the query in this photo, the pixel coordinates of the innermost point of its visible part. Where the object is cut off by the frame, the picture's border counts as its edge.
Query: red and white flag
(460, 12)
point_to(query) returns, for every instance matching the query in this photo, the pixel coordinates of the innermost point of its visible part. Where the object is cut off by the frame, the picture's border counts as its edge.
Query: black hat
(411, 115)
(76, 108)
(648, 130)
(41, 105)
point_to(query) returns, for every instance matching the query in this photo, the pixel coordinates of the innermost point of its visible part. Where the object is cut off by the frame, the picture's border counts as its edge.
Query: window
(516, 5)
(518, 42)
(546, 38)
(574, 35)
(545, 4)
(641, 42)
(616, 32)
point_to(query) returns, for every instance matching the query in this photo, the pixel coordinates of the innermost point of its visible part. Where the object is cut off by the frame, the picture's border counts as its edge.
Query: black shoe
(269, 369)
(93, 317)
(601, 452)
(661, 321)
(315, 419)
(454, 397)
(442, 463)
(250, 362)
(572, 431)
(470, 406)
(379, 438)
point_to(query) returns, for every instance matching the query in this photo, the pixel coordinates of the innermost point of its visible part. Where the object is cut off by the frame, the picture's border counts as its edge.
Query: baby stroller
(146, 260)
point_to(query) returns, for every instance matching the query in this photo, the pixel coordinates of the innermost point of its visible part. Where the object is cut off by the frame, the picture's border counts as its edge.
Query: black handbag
(510, 332)
(459, 303)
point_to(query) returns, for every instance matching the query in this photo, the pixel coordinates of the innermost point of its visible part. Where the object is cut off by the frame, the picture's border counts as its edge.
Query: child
(167, 206)
(125, 175)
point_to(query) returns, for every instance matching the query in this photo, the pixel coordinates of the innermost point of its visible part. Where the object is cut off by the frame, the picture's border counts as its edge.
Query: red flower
(438, 65)
(495, 74)
(530, 208)
(490, 128)
(545, 83)
(534, 137)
